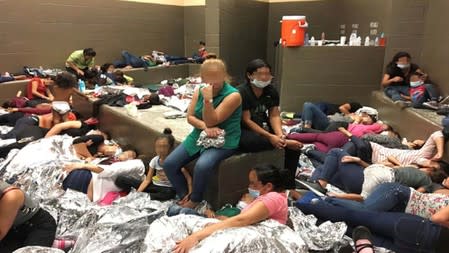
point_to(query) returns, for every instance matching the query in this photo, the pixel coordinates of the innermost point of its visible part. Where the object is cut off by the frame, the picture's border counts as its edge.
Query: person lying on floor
(400, 232)
(60, 113)
(427, 155)
(330, 109)
(261, 121)
(22, 222)
(93, 145)
(364, 121)
(7, 77)
(395, 197)
(356, 177)
(131, 61)
(97, 180)
(156, 182)
(266, 183)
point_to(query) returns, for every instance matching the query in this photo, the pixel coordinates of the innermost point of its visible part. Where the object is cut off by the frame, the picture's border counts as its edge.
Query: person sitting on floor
(79, 61)
(267, 186)
(38, 91)
(215, 113)
(397, 78)
(422, 94)
(22, 222)
(156, 182)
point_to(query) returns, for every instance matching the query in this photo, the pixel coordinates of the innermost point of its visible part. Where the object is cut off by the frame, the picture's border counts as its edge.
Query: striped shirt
(404, 156)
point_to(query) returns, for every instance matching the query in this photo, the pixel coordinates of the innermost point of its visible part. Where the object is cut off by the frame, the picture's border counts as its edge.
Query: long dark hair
(268, 173)
(396, 58)
(253, 66)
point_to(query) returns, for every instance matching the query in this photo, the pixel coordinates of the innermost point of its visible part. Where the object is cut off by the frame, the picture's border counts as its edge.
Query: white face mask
(416, 84)
(261, 84)
(403, 66)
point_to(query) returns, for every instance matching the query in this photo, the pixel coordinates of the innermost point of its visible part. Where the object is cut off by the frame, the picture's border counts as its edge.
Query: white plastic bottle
(367, 41)
(352, 39)
(376, 42)
(312, 41)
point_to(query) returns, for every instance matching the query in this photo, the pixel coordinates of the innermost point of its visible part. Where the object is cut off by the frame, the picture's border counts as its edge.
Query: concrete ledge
(227, 183)
(10, 89)
(409, 122)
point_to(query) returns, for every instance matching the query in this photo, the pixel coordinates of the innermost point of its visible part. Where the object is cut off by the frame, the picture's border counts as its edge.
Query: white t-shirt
(159, 177)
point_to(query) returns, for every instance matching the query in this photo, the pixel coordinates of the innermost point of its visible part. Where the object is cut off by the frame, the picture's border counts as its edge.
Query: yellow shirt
(77, 58)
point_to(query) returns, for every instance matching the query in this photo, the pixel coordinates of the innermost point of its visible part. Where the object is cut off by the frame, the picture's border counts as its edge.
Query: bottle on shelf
(382, 40)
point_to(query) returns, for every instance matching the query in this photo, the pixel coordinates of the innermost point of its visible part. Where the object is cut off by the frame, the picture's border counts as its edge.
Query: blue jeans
(400, 232)
(394, 92)
(431, 93)
(129, 59)
(207, 161)
(346, 176)
(176, 209)
(6, 79)
(386, 197)
(313, 115)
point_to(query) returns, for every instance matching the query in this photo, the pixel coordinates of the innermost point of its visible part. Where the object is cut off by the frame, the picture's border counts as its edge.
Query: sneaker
(444, 100)
(362, 233)
(431, 105)
(307, 147)
(402, 104)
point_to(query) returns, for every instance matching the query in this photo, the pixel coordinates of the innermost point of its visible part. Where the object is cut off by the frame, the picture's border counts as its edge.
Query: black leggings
(40, 230)
(21, 124)
(156, 192)
(251, 142)
(10, 119)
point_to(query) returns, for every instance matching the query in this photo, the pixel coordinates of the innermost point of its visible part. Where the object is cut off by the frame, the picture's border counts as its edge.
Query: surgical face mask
(403, 66)
(261, 84)
(416, 84)
(253, 193)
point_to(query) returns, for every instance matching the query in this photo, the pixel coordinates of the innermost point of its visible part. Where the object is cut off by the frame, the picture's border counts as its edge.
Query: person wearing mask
(261, 121)
(397, 77)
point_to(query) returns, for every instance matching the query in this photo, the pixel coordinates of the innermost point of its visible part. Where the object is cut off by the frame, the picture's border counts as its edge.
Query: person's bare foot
(293, 145)
(128, 67)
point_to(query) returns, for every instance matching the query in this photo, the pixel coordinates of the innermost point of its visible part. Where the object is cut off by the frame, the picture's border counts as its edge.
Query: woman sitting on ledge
(215, 114)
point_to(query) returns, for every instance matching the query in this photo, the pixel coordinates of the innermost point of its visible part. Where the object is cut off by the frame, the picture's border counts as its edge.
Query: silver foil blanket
(38, 167)
(207, 142)
(256, 238)
(38, 249)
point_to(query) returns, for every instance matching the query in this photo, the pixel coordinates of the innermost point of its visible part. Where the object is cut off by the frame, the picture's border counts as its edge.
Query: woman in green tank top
(215, 107)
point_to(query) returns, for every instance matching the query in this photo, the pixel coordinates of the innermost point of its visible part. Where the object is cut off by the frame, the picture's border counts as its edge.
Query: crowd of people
(399, 191)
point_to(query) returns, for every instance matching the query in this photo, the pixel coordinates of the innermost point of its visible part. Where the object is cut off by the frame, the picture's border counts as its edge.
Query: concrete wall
(331, 74)
(45, 32)
(194, 28)
(435, 53)
(243, 34)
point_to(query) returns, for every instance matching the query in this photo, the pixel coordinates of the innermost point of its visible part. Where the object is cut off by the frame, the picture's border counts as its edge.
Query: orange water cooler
(293, 30)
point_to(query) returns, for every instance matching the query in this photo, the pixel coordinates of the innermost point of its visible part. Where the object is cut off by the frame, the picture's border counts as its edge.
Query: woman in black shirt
(397, 77)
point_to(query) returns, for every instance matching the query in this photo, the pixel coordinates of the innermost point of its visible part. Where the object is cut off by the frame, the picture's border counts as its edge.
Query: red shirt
(41, 88)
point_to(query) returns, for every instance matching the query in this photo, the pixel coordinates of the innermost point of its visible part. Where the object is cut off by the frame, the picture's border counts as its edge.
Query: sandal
(362, 233)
